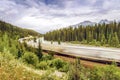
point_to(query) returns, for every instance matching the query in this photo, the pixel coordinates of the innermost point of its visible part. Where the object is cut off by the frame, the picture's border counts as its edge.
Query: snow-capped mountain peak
(104, 21)
(85, 23)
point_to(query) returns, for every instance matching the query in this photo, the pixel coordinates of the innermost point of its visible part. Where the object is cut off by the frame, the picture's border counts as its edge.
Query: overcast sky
(45, 15)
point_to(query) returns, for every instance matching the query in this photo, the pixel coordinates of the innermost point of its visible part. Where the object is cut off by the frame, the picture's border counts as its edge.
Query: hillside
(21, 62)
(14, 30)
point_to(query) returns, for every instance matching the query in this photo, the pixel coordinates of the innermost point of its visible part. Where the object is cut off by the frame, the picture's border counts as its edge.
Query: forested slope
(100, 34)
(16, 31)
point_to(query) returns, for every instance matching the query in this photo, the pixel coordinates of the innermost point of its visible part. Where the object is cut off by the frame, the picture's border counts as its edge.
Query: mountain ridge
(90, 23)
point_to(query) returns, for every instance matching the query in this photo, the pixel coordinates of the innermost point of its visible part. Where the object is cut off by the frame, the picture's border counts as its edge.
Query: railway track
(83, 58)
(71, 52)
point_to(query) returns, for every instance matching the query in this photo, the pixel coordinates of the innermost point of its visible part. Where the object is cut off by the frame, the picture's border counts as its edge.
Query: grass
(93, 43)
(13, 69)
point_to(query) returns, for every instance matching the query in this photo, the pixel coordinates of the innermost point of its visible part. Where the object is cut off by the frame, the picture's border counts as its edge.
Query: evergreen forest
(99, 34)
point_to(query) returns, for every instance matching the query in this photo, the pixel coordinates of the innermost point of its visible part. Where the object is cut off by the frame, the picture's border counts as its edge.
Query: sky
(46, 15)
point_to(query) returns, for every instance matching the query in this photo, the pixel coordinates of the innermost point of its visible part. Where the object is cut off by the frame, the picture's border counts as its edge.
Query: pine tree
(35, 39)
(89, 37)
(10, 43)
(103, 40)
(19, 53)
(39, 50)
(109, 40)
(115, 40)
(59, 41)
(51, 42)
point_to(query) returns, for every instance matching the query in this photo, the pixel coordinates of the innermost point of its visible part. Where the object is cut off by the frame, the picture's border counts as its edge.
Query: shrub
(47, 57)
(109, 72)
(75, 42)
(42, 65)
(59, 64)
(97, 43)
(84, 42)
(13, 50)
(30, 58)
(59, 42)
(65, 68)
(1, 46)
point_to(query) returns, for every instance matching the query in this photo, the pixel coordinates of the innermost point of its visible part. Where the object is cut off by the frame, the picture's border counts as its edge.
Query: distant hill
(90, 23)
(85, 23)
(104, 21)
(14, 30)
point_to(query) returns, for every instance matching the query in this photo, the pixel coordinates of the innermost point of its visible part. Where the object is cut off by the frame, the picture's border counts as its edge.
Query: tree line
(99, 34)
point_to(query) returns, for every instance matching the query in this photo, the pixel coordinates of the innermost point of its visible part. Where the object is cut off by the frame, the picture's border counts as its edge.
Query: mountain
(85, 23)
(16, 31)
(104, 21)
(118, 21)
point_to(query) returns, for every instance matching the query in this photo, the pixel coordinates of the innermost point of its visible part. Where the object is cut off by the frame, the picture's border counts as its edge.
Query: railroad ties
(60, 54)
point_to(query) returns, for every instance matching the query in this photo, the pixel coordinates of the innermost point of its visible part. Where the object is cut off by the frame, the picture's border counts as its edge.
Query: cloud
(46, 15)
